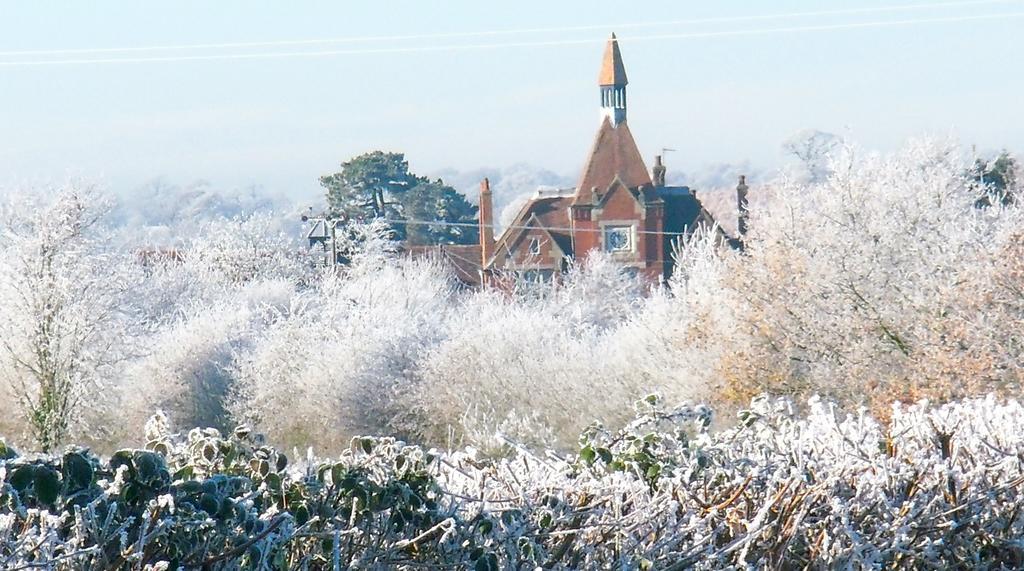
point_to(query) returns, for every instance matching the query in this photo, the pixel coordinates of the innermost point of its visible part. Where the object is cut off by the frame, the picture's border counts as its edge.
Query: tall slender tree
(62, 301)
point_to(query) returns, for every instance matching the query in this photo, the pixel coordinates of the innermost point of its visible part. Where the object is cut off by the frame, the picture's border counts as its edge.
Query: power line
(469, 47)
(452, 35)
(518, 227)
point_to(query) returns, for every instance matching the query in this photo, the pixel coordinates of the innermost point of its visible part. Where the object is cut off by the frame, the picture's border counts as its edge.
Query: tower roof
(614, 154)
(612, 70)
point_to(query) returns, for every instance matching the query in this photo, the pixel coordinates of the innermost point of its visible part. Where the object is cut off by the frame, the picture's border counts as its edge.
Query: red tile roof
(614, 154)
(551, 212)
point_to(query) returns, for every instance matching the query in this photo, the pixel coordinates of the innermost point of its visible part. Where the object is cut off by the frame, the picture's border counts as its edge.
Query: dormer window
(618, 239)
(534, 246)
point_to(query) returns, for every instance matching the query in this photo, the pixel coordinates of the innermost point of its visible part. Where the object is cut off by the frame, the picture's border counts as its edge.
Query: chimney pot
(658, 172)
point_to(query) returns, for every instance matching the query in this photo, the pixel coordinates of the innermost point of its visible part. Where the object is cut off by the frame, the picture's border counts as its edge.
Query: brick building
(617, 206)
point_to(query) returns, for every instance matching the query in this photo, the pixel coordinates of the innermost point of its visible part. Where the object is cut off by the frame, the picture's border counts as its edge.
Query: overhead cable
(485, 33)
(523, 44)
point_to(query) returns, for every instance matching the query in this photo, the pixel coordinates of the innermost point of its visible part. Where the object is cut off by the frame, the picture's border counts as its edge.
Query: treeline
(885, 280)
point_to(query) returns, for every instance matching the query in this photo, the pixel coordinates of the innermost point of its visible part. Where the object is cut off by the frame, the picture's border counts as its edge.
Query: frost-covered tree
(881, 281)
(62, 297)
(233, 251)
(813, 149)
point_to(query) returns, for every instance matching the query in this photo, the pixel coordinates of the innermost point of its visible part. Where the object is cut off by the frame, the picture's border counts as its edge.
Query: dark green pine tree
(369, 186)
(433, 200)
(379, 185)
(999, 178)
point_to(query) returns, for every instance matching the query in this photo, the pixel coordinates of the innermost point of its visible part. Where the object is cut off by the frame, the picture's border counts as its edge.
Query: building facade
(617, 207)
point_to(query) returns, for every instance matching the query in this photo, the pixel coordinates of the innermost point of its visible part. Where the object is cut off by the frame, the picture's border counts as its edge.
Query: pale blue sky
(282, 122)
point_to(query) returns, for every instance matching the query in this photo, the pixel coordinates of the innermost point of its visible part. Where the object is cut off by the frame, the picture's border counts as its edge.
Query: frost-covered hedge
(937, 487)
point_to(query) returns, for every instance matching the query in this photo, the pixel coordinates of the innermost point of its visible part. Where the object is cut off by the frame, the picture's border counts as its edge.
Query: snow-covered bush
(538, 365)
(340, 361)
(187, 371)
(939, 488)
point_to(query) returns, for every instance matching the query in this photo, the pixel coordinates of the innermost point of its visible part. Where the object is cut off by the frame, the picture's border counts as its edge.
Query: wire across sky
(32, 58)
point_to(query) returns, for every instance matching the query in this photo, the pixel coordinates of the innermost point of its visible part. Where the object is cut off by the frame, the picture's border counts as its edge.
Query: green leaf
(587, 454)
(21, 478)
(301, 514)
(605, 454)
(47, 484)
(230, 455)
(78, 471)
(546, 520)
(274, 482)
(209, 504)
(185, 473)
(191, 487)
(337, 473)
(149, 465)
(489, 562)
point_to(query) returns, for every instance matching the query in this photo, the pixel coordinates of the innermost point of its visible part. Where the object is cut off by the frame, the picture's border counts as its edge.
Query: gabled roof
(614, 154)
(643, 195)
(612, 70)
(560, 240)
(319, 232)
(550, 212)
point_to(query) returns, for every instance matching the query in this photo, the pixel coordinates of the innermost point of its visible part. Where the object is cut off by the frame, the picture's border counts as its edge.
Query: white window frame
(534, 248)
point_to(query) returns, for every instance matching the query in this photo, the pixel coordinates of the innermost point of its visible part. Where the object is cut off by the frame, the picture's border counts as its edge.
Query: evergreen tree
(434, 200)
(998, 178)
(379, 185)
(368, 186)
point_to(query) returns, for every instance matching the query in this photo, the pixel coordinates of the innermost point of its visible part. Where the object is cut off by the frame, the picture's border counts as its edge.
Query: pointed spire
(613, 72)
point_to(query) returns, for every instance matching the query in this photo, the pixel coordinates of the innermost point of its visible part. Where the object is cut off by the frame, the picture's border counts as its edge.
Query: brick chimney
(743, 211)
(658, 172)
(486, 222)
